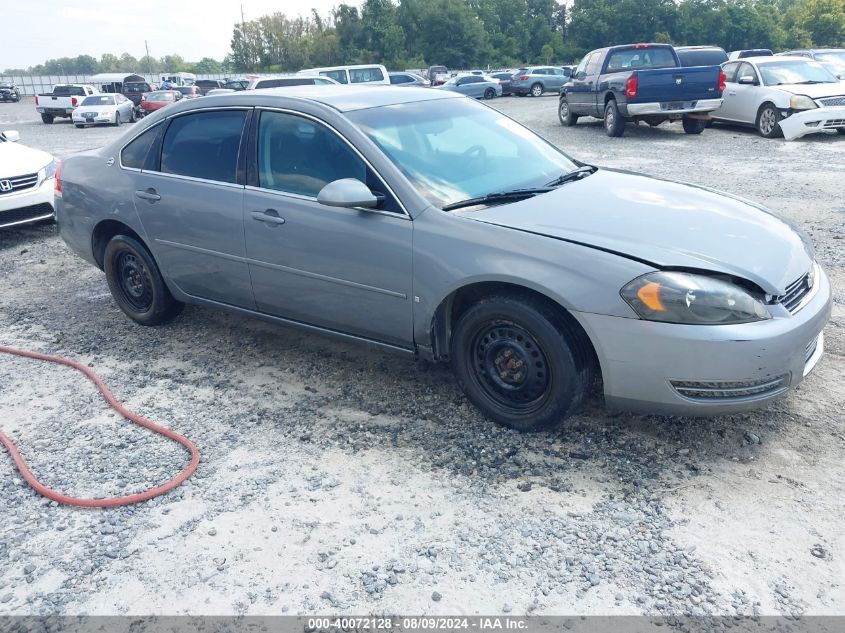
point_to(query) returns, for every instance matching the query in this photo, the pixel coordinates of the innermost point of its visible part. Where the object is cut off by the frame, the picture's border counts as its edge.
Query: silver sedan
(104, 109)
(424, 223)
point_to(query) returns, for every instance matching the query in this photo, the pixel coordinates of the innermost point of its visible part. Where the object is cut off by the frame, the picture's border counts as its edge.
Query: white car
(792, 96)
(27, 178)
(284, 81)
(109, 109)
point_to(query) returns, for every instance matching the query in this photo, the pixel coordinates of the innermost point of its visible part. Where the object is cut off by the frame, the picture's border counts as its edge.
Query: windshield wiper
(576, 174)
(499, 196)
(812, 81)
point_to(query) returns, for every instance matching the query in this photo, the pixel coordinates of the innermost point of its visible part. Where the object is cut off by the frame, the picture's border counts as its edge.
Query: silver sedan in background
(420, 222)
(104, 109)
(478, 86)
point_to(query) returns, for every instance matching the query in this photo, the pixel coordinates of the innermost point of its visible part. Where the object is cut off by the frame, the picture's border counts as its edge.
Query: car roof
(345, 98)
(770, 59)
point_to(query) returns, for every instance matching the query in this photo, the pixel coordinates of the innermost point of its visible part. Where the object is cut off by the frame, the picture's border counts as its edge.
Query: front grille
(795, 293)
(723, 390)
(833, 101)
(25, 214)
(834, 123)
(18, 183)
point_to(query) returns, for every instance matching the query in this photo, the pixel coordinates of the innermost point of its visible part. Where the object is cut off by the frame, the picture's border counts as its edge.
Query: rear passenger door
(189, 198)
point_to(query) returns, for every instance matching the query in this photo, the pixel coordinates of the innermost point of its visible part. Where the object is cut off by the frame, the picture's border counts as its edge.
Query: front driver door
(347, 270)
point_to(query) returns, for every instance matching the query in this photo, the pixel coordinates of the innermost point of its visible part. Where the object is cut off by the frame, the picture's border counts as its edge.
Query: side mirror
(747, 80)
(348, 193)
(580, 75)
(13, 136)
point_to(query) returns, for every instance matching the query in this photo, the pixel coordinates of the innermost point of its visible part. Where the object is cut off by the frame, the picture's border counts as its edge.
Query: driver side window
(746, 72)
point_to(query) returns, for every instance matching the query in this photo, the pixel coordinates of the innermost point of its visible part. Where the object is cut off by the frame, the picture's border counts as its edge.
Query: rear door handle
(270, 216)
(148, 194)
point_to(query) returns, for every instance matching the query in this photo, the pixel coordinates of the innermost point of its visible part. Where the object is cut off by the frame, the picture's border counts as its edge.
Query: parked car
(408, 79)
(179, 79)
(26, 182)
(62, 101)
(204, 85)
(640, 82)
(701, 55)
(135, 91)
(9, 92)
(189, 92)
(427, 224)
(833, 58)
(219, 91)
(789, 96)
(437, 75)
(236, 84)
(473, 86)
(290, 80)
(750, 52)
(160, 99)
(357, 74)
(108, 109)
(535, 80)
(504, 79)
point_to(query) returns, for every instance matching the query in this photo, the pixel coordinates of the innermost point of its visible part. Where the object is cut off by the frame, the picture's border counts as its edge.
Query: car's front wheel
(564, 113)
(520, 362)
(136, 283)
(841, 130)
(768, 121)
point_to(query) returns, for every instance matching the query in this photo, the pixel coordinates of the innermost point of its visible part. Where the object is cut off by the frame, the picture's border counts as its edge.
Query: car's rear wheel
(132, 117)
(136, 283)
(80, 125)
(564, 113)
(520, 362)
(117, 120)
(47, 118)
(694, 126)
(489, 93)
(768, 121)
(614, 124)
(536, 90)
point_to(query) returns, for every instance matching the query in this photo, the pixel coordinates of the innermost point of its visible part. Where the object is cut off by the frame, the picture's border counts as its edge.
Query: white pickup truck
(62, 101)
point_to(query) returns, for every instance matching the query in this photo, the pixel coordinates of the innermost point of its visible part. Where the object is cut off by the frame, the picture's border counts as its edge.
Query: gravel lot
(339, 479)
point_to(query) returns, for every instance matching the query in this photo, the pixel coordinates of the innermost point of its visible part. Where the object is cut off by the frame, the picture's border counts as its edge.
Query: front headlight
(45, 173)
(800, 102)
(692, 299)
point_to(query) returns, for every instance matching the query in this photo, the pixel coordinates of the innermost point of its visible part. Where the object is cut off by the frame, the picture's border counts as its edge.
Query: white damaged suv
(27, 178)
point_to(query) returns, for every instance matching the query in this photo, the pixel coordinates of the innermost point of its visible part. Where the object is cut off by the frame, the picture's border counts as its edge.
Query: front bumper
(669, 108)
(99, 117)
(29, 205)
(706, 370)
(812, 121)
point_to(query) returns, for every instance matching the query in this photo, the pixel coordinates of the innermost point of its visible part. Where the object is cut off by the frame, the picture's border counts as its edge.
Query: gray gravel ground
(340, 479)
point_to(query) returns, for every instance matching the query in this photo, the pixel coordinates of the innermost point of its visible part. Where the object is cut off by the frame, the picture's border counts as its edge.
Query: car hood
(814, 91)
(665, 224)
(97, 108)
(17, 159)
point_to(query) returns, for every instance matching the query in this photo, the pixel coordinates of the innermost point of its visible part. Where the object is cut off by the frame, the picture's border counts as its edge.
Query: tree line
(496, 33)
(507, 33)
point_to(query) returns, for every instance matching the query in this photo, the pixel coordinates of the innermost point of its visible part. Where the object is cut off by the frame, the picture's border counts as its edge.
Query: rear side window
(640, 59)
(135, 154)
(400, 79)
(204, 145)
(338, 75)
(364, 75)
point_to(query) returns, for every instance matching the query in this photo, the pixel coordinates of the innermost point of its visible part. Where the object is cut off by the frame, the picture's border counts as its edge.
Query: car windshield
(835, 57)
(455, 149)
(795, 71)
(98, 100)
(160, 96)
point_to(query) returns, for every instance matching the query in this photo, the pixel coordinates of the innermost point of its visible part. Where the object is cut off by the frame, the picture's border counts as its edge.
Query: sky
(37, 30)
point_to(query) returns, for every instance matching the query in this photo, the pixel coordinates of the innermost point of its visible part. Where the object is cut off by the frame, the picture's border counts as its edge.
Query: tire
(132, 117)
(565, 114)
(841, 130)
(768, 121)
(614, 124)
(489, 94)
(537, 90)
(80, 125)
(47, 118)
(136, 283)
(499, 337)
(694, 126)
(117, 120)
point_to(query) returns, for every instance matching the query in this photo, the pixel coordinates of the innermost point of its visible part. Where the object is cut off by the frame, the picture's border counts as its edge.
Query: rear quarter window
(364, 75)
(134, 155)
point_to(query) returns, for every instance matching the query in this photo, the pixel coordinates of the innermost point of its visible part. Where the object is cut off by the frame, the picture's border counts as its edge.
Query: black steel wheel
(136, 283)
(521, 362)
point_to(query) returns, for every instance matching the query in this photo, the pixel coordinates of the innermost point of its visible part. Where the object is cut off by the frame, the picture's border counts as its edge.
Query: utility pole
(149, 66)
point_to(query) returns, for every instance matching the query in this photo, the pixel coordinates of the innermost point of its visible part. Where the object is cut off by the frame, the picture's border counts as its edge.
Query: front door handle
(270, 216)
(148, 194)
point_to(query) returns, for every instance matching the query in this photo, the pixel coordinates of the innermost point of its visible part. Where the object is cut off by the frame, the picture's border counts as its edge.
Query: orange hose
(117, 406)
